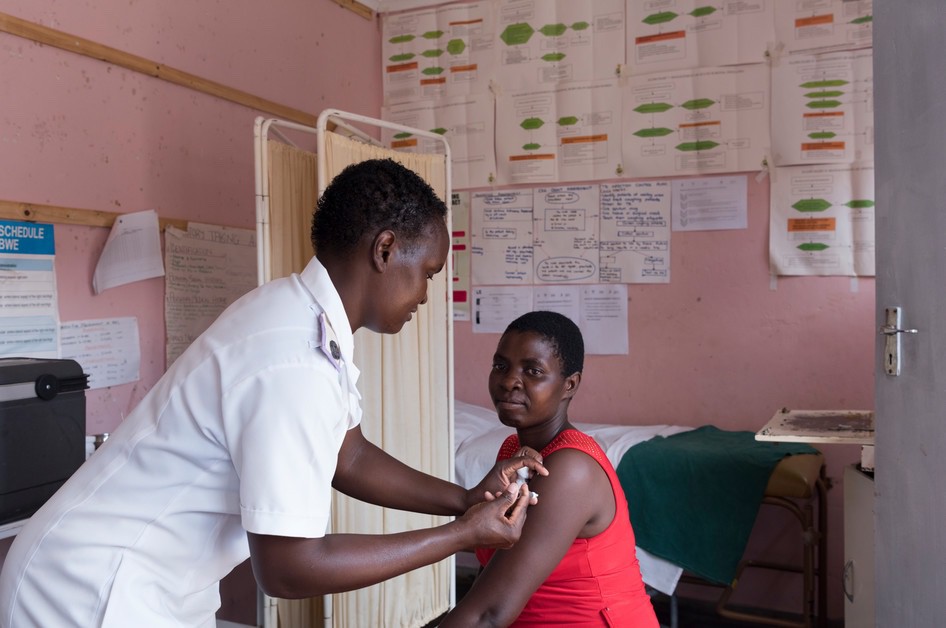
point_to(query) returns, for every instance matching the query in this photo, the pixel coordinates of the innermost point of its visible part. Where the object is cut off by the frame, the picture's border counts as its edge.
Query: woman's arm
(574, 501)
(366, 472)
(289, 567)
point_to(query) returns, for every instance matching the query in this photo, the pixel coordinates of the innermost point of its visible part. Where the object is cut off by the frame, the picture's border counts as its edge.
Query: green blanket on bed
(694, 496)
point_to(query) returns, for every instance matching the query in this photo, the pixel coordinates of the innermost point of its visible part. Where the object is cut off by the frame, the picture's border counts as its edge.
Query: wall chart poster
(545, 42)
(824, 107)
(822, 220)
(824, 24)
(567, 132)
(29, 307)
(705, 121)
(438, 52)
(676, 34)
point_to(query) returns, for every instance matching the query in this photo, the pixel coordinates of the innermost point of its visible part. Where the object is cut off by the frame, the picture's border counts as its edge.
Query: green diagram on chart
(824, 97)
(698, 103)
(818, 205)
(693, 105)
(808, 205)
(403, 135)
(665, 17)
(453, 47)
(532, 124)
(829, 99)
(520, 33)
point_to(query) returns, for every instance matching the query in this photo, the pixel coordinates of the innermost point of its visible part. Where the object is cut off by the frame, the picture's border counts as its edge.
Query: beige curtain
(405, 387)
(293, 192)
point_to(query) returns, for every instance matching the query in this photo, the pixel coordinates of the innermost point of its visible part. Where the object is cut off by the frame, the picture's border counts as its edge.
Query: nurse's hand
(497, 523)
(503, 474)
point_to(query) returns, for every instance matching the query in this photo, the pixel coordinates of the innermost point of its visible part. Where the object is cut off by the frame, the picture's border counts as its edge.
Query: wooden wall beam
(32, 212)
(357, 7)
(65, 41)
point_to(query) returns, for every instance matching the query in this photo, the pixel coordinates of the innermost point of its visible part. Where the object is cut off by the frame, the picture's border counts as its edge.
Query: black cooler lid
(50, 376)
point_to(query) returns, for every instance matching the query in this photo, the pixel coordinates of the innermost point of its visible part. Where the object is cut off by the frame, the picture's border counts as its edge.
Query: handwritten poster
(208, 268)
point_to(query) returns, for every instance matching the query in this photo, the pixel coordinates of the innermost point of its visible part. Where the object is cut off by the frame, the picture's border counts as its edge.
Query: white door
(910, 161)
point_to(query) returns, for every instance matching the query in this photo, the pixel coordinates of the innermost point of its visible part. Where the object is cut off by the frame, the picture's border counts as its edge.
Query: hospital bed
(693, 500)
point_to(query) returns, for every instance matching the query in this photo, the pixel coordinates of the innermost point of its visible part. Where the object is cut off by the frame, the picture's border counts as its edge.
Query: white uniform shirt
(241, 434)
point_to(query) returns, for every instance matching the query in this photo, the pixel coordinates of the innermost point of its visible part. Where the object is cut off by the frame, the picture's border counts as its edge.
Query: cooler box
(42, 431)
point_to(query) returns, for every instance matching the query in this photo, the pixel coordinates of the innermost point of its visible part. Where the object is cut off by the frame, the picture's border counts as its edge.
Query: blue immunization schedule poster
(29, 310)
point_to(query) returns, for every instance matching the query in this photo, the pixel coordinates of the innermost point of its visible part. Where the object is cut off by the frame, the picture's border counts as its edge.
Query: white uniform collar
(317, 280)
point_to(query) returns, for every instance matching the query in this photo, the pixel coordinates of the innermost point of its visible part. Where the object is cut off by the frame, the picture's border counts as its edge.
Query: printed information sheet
(710, 203)
(822, 220)
(674, 34)
(437, 52)
(460, 251)
(824, 107)
(494, 307)
(818, 24)
(544, 42)
(569, 132)
(467, 124)
(29, 307)
(108, 349)
(703, 121)
(600, 311)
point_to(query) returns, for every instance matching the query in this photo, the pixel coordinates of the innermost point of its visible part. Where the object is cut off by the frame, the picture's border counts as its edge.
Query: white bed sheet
(478, 434)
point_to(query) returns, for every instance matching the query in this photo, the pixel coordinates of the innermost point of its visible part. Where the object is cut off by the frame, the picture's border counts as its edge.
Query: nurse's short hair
(369, 197)
(560, 332)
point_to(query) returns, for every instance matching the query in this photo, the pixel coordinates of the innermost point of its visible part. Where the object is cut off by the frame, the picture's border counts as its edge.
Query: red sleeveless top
(598, 581)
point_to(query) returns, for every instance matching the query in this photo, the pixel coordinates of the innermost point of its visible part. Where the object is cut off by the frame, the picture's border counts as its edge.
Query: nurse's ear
(381, 248)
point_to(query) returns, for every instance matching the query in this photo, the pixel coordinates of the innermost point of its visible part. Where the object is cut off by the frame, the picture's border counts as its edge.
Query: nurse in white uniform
(234, 452)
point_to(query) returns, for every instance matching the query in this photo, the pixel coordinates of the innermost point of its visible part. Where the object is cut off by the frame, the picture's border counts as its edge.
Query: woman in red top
(575, 563)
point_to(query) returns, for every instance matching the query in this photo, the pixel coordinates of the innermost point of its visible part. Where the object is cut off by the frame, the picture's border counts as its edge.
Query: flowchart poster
(822, 220)
(824, 24)
(545, 42)
(569, 132)
(706, 121)
(466, 122)
(438, 52)
(677, 34)
(822, 108)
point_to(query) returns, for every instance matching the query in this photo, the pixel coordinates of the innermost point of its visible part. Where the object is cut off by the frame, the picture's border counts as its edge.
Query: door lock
(893, 331)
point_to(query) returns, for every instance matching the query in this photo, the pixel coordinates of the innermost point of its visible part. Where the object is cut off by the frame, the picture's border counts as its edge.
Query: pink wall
(78, 132)
(718, 345)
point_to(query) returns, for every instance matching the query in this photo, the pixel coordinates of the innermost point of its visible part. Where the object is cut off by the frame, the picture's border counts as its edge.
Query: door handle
(847, 576)
(893, 330)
